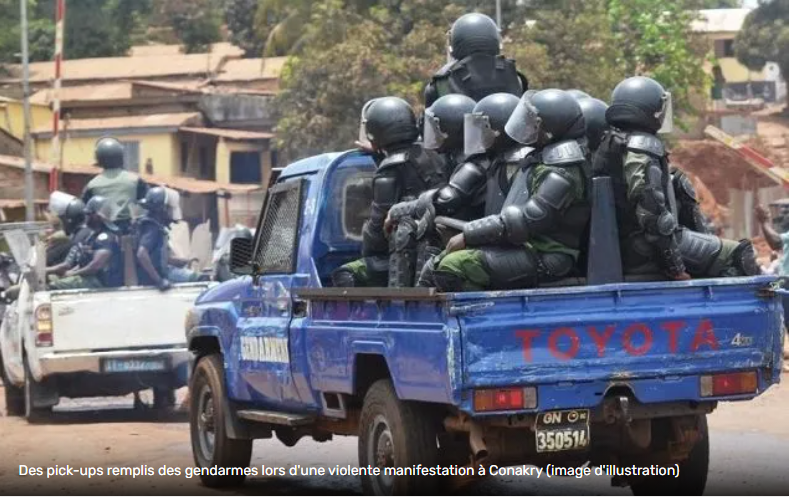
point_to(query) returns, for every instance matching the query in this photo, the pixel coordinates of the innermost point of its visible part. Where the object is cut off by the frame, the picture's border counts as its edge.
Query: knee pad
(557, 265)
(447, 281)
(512, 268)
(343, 277)
(744, 259)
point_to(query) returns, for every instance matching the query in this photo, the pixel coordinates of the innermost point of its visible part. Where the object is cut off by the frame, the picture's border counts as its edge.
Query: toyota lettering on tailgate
(636, 339)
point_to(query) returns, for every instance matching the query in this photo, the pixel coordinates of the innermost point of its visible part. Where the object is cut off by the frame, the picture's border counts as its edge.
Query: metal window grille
(278, 230)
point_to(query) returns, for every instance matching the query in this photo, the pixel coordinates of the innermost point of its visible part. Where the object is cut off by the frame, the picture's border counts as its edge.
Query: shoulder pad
(518, 154)
(649, 144)
(394, 160)
(565, 152)
(445, 70)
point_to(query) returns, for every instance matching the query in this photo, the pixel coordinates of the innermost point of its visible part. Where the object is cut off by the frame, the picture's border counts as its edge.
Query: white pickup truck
(91, 343)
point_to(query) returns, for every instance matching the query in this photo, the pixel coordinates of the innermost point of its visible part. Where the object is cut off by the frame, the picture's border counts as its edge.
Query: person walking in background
(777, 241)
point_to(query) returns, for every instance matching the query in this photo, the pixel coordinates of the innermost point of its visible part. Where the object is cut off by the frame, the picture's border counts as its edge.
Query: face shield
(173, 202)
(432, 136)
(59, 202)
(363, 139)
(523, 125)
(666, 115)
(478, 136)
(450, 59)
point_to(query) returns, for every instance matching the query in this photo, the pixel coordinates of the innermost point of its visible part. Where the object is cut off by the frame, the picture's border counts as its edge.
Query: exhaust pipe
(476, 438)
(477, 442)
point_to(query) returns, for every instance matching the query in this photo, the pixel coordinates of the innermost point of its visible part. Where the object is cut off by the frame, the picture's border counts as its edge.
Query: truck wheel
(393, 433)
(14, 396)
(210, 443)
(32, 413)
(693, 471)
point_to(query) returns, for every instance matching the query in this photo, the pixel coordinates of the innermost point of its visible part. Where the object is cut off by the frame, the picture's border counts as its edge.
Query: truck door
(263, 338)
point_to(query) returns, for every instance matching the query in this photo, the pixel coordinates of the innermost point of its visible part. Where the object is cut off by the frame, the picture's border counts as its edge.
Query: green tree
(353, 56)
(764, 37)
(196, 23)
(655, 40)
(240, 19)
(569, 47)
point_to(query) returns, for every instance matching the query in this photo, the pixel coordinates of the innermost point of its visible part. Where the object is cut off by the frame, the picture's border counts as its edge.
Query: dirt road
(750, 454)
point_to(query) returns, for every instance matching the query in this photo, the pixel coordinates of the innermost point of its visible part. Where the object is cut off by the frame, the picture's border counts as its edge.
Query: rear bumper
(90, 362)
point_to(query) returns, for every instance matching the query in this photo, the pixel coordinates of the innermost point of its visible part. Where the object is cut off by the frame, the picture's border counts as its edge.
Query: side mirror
(241, 256)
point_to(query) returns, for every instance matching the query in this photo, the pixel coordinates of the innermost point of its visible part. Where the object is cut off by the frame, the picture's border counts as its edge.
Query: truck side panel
(420, 349)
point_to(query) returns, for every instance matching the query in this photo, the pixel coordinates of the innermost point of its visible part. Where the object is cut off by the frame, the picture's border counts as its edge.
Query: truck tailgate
(618, 332)
(120, 319)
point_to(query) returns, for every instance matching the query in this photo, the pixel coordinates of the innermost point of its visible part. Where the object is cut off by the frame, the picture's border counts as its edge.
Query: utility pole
(498, 13)
(30, 213)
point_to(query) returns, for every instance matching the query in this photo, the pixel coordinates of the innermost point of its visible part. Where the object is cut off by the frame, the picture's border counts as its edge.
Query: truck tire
(14, 396)
(693, 471)
(394, 433)
(33, 414)
(210, 443)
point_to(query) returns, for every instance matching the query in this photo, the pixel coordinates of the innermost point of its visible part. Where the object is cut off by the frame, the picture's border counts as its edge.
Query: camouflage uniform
(536, 238)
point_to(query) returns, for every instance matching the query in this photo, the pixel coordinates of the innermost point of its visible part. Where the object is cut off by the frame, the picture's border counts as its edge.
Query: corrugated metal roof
(193, 185)
(720, 20)
(110, 91)
(251, 69)
(12, 203)
(232, 134)
(190, 185)
(109, 68)
(176, 120)
(222, 48)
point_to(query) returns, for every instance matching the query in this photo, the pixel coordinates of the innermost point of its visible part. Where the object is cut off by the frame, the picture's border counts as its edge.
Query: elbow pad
(489, 230)
(465, 181)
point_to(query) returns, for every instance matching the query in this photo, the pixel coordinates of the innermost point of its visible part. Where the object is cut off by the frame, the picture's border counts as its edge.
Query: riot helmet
(390, 121)
(594, 117)
(474, 33)
(443, 127)
(484, 127)
(99, 211)
(546, 117)
(363, 124)
(69, 209)
(641, 103)
(162, 203)
(109, 153)
(578, 94)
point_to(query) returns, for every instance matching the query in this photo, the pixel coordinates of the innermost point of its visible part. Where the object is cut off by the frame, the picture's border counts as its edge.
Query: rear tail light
(44, 326)
(721, 385)
(505, 399)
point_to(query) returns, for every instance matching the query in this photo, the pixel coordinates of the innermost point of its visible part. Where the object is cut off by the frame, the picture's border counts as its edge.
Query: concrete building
(735, 84)
(204, 117)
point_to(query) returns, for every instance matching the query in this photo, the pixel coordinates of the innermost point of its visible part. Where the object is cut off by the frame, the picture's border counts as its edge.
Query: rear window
(357, 196)
(276, 248)
(349, 200)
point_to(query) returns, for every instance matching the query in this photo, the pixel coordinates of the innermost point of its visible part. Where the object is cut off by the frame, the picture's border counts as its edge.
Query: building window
(724, 48)
(245, 168)
(204, 173)
(131, 155)
(184, 157)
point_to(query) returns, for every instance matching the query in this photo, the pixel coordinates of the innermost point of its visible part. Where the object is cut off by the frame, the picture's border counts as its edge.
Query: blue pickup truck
(622, 373)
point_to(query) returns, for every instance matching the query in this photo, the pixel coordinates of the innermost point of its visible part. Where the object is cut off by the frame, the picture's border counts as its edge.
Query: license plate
(562, 430)
(134, 365)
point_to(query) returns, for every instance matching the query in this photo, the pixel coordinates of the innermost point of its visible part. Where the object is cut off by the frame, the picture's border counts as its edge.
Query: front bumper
(90, 362)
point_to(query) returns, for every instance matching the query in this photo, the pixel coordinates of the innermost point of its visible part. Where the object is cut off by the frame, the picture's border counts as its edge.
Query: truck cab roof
(311, 165)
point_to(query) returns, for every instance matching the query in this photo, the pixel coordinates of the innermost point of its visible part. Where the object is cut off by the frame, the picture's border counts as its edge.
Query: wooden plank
(754, 159)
